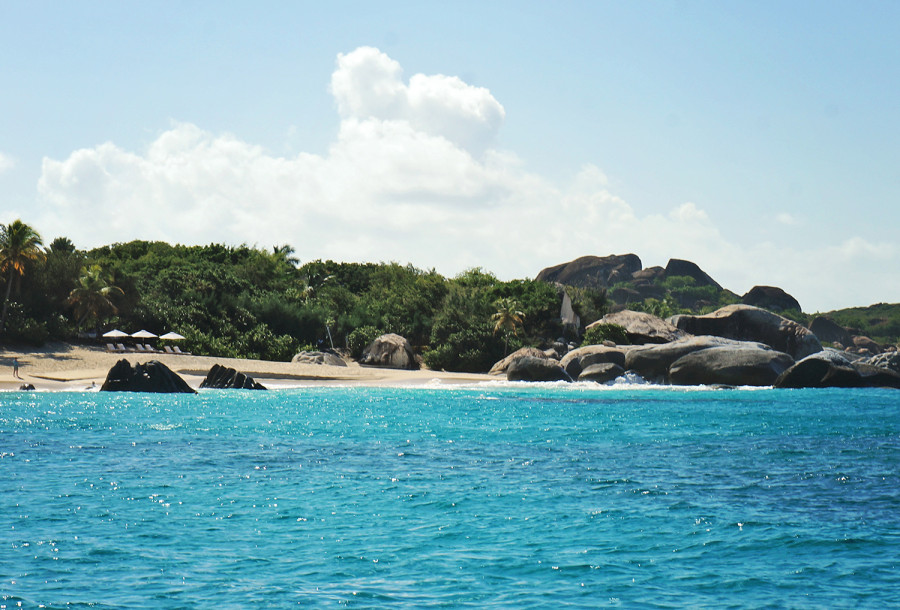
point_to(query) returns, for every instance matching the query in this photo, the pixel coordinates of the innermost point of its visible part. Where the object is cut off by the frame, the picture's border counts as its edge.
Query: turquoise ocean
(494, 496)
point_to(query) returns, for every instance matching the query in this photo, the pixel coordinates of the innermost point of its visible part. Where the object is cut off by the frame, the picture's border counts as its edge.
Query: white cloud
(410, 177)
(6, 163)
(786, 219)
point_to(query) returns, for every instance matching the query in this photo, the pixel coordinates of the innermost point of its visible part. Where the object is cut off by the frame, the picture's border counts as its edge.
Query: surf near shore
(68, 367)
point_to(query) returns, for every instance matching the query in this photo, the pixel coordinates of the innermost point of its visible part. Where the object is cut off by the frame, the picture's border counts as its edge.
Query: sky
(760, 140)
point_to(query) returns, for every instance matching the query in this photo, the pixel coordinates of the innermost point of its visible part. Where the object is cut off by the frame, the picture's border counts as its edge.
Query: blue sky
(759, 139)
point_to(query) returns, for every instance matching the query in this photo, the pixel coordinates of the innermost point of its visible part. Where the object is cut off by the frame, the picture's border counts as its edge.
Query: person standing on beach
(16, 368)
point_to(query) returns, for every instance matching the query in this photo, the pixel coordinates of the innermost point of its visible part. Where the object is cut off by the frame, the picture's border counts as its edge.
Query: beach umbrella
(115, 334)
(172, 336)
(143, 334)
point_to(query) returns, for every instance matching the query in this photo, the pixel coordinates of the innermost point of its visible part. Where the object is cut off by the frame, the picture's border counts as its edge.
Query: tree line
(241, 301)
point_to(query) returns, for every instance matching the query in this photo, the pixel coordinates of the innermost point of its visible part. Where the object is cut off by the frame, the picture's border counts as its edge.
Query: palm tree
(19, 245)
(508, 319)
(91, 296)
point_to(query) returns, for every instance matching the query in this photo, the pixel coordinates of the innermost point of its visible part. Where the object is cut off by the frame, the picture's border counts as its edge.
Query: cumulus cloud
(411, 177)
(6, 163)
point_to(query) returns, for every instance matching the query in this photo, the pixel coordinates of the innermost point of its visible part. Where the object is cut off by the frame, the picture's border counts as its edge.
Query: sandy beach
(67, 367)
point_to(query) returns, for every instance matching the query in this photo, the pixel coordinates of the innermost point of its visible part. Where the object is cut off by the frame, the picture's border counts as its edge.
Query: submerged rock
(152, 376)
(222, 378)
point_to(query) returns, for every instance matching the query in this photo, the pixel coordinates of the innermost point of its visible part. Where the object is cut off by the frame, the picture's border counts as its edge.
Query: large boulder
(581, 358)
(652, 362)
(771, 298)
(729, 365)
(602, 372)
(529, 368)
(642, 327)
(501, 366)
(887, 360)
(390, 351)
(224, 378)
(830, 331)
(152, 376)
(328, 358)
(831, 369)
(679, 268)
(748, 323)
(592, 271)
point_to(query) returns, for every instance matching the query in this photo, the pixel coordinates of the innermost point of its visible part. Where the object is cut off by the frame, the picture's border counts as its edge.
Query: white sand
(62, 366)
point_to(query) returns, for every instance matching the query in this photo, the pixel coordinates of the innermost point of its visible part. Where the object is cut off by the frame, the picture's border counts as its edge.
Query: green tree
(19, 245)
(91, 296)
(507, 319)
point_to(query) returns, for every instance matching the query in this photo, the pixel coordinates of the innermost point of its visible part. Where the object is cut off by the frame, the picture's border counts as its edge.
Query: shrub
(605, 332)
(360, 338)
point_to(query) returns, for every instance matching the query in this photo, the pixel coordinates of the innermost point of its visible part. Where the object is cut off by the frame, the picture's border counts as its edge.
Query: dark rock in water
(602, 372)
(727, 365)
(642, 327)
(151, 376)
(529, 368)
(833, 370)
(326, 357)
(592, 271)
(748, 323)
(501, 366)
(223, 378)
(771, 298)
(830, 332)
(26, 387)
(391, 351)
(652, 362)
(678, 267)
(579, 359)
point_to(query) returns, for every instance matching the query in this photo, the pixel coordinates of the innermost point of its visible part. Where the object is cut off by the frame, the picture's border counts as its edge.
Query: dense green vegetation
(879, 322)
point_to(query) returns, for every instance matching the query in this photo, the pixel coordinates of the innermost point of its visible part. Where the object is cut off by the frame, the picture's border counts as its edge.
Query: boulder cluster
(737, 345)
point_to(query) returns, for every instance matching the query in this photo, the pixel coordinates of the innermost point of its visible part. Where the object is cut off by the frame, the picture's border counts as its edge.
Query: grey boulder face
(832, 370)
(501, 366)
(223, 378)
(771, 298)
(829, 331)
(581, 358)
(390, 351)
(602, 372)
(748, 323)
(642, 328)
(728, 365)
(529, 368)
(326, 358)
(593, 271)
(152, 376)
(652, 362)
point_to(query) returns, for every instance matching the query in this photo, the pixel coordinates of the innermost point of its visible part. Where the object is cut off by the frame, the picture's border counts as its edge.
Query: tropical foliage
(20, 247)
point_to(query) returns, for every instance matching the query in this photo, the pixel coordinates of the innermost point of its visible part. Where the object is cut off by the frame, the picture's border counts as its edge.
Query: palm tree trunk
(6, 302)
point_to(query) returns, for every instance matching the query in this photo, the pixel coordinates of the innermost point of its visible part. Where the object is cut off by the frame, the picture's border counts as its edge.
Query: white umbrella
(115, 334)
(143, 334)
(172, 336)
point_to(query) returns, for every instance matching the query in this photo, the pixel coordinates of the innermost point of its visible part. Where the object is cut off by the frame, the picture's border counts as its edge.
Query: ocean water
(494, 496)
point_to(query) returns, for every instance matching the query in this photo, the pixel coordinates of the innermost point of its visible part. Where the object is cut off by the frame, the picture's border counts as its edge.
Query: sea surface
(488, 496)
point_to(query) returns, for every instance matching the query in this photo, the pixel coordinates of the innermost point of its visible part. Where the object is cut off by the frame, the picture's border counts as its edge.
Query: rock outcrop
(730, 365)
(748, 323)
(581, 358)
(887, 360)
(502, 365)
(830, 331)
(831, 369)
(328, 358)
(152, 376)
(602, 372)
(652, 362)
(771, 298)
(223, 378)
(530, 368)
(642, 327)
(593, 271)
(678, 267)
(390, 351)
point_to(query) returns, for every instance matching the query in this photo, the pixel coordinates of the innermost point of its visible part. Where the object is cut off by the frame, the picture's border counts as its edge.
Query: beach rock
(829, 331)
(327, 358)
(642, 327)
(602, 372)
(729, 365)
(152, 376)
(501, 366)
(887, 360)
(771, 298)
(652, 362)
(833, 370)
(529, 368)
(680, 268)
(592, 271)
(26, 387)
(223, 378)
(390, 351)
(581, 358)
(865, 343)
(748, 323)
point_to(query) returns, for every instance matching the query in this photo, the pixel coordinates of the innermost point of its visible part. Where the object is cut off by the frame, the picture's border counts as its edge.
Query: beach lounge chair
(121, 347)
(111, 348)
(168, 350)
(178, 351)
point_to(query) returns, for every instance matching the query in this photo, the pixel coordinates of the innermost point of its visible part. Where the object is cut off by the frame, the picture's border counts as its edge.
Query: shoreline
(70, 367)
